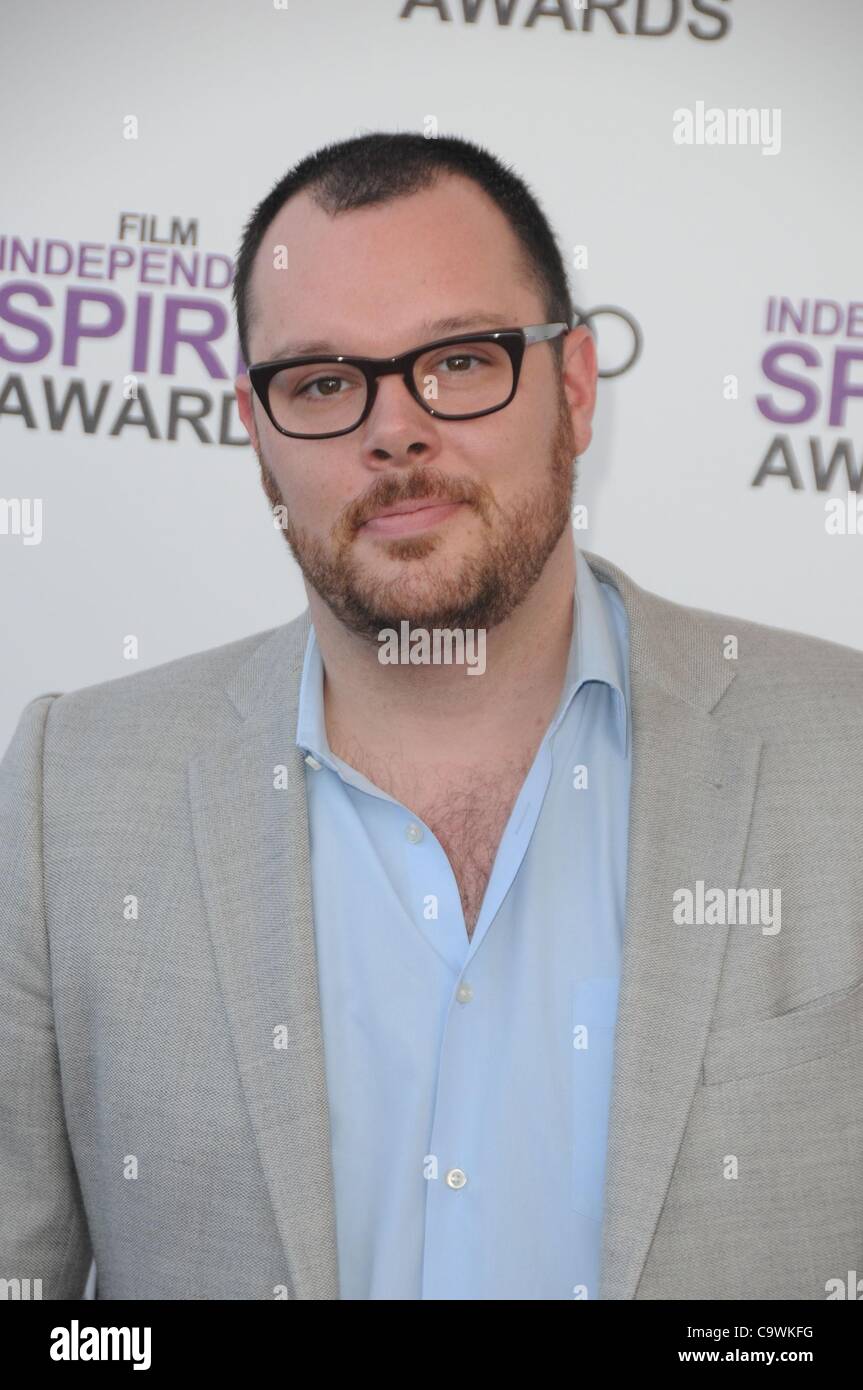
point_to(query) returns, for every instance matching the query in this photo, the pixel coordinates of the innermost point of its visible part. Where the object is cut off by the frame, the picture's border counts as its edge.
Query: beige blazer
(156, 926)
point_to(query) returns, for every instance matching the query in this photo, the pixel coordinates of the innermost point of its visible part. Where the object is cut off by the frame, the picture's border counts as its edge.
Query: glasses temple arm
(542, 332)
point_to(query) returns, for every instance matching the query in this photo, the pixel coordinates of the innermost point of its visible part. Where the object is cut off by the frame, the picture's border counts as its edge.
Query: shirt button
(414, 832)
(464, 993)
(313, 762)
(456, 1178)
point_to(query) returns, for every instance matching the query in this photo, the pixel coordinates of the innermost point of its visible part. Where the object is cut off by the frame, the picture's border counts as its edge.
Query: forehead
(366, 279)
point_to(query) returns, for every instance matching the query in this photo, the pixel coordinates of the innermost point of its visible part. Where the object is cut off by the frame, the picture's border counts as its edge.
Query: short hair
(383, 165)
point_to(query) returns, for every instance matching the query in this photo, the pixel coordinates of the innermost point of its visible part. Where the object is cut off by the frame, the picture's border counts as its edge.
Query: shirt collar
(311, 726)
(595, 654)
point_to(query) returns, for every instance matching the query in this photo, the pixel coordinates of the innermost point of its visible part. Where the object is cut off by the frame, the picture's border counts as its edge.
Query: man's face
(375, 282)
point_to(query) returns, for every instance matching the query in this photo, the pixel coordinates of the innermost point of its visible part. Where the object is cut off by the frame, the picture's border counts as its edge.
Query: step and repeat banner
(698, 159)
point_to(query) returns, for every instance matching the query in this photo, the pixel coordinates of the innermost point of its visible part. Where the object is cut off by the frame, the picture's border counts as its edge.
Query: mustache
(414, 487)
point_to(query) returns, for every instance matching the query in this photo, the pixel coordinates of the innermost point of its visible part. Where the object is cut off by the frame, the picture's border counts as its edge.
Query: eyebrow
(428, 330)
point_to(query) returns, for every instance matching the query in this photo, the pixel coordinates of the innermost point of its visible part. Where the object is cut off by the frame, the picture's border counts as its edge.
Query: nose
(397, 426)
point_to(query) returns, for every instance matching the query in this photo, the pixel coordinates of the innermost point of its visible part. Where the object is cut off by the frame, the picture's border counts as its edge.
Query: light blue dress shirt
(469, 1080)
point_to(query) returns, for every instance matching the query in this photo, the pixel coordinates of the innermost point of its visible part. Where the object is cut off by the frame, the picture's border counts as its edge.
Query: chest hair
(466, 808)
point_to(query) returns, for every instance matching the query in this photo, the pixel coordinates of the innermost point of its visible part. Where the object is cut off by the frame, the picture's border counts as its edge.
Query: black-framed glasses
(461, 378)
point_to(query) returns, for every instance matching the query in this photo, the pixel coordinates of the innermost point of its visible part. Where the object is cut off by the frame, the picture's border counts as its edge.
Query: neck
(440, 712)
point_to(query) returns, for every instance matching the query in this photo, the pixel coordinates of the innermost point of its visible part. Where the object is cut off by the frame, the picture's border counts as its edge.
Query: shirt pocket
(830, 1024)
(594, 1011)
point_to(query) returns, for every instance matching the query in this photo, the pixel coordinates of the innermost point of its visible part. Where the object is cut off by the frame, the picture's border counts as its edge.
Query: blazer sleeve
(43, 1227)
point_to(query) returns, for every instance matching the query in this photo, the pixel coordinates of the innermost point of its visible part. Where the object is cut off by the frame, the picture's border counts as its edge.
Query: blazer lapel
(250, 823)
(693, 785)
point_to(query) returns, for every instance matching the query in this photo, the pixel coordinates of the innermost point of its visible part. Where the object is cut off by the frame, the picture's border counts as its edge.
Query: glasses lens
(318, 397)
(462, 378)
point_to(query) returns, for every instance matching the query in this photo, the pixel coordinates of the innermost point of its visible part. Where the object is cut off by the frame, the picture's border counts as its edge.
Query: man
(534, 973)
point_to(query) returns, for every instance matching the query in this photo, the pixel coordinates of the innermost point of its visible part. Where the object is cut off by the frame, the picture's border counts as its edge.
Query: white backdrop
(187, 113)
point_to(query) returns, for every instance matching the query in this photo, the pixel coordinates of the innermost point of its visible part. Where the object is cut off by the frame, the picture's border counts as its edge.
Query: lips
(414, 514)
(412, 504)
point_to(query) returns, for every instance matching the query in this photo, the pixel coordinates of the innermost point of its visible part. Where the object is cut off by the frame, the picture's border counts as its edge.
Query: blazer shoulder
(186, 699)
(772, 676)
(788, 675)
(779, 648)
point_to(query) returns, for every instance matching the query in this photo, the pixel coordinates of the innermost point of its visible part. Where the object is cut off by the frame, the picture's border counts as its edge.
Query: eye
(326, 383)
(462, 358)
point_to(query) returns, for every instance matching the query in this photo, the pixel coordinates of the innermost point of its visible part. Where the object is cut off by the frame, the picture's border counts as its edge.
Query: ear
(245, 405)
(579, 383)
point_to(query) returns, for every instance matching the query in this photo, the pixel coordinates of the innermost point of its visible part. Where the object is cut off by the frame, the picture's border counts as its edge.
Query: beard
(478, 590)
